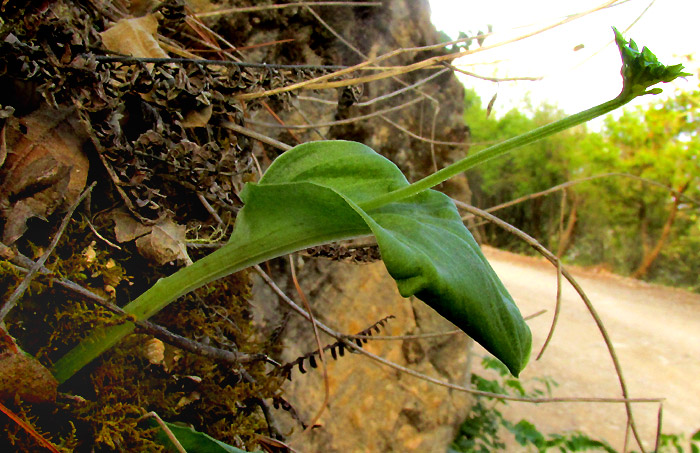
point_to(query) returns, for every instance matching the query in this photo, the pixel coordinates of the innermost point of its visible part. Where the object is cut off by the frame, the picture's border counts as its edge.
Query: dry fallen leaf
(45, 167)
(126, 227)
(162, 243)
(198, 118)
(165, 243)
(24, 376)
(135, 37)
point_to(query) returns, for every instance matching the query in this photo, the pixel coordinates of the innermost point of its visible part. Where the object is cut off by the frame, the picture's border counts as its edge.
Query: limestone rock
(373, 408)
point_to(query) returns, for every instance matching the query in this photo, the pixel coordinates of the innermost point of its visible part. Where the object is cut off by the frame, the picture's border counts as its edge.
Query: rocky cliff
(169, 144)
(374, 408)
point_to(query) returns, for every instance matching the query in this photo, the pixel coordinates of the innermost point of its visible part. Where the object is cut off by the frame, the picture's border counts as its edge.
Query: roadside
(655, 330)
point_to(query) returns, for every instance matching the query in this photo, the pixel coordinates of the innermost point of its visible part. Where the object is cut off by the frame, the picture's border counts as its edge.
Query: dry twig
(589, 305)
(294, 306)
(29, 429)
(22, 287)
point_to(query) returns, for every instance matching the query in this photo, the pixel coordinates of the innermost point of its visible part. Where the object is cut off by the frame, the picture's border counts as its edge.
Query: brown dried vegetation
(152, 132)
(77, 106)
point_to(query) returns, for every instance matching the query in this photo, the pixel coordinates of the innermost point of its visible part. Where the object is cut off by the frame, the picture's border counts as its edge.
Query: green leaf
(641, 69)
(310, 196)
(192, 440)
(424, 244)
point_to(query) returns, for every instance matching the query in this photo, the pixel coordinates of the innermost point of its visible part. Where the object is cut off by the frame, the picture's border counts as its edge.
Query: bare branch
(22, 287)
(591, 309)
(251, 9)
(294, 306)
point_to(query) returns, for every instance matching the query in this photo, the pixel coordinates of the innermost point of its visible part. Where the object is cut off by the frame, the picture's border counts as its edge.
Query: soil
(655, 331)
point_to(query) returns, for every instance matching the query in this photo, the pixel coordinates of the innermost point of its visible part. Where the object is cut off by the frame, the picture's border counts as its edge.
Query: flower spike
(641, 69)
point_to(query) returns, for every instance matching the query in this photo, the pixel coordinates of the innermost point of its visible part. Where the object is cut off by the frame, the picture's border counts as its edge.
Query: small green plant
(326, 191)
(481, 431)
(676, 442)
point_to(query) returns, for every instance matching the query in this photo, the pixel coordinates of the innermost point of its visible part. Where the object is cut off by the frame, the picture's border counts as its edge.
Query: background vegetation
(642, 219)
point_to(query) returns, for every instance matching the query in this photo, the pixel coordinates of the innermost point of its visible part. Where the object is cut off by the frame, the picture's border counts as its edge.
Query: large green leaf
(422, 239)
(192, 440)
(312, 195)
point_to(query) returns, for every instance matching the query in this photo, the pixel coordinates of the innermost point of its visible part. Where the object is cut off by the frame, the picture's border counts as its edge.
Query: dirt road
(655, 330)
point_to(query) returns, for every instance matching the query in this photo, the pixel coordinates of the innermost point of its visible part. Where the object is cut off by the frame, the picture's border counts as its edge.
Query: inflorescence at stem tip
(641, 69)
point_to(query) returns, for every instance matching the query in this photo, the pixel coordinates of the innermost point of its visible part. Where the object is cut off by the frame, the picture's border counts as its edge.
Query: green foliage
(676, 443)
(482, 431)
(312, 195)
(423, 242)
(191, 440)
(322, 192)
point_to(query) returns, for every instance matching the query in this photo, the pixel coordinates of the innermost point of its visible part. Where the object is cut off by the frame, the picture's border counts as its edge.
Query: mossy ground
(114, 392)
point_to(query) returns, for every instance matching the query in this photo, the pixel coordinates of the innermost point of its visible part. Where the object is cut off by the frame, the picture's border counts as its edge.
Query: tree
(657, 143)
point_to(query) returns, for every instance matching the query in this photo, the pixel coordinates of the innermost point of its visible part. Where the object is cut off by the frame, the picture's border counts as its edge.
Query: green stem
(494, 151)
(227, 260)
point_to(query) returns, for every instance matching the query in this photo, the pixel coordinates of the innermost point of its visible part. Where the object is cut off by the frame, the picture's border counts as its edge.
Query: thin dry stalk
(225, 356)
(29, 429)
(171, 437)
(294, 306)
(491, 79)
(99, 236)
(257, 136)
(360, 53)
(591, 309)
(252, 9)
(22, 287)
(423, 139)
(402, 90)
(557, 310)
(281, 123)
(659, 423)
(578, 181)
(338, 122)
(322, 82)
(321, 353)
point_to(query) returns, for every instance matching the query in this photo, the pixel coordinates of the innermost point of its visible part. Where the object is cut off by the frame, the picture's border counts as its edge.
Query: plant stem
(494, 151)
(233, 257)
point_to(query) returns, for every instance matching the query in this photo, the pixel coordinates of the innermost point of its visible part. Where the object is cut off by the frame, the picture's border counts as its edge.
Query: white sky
(573, 80)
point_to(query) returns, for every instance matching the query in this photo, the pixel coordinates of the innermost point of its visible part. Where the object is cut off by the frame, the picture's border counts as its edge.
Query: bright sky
(573, 80)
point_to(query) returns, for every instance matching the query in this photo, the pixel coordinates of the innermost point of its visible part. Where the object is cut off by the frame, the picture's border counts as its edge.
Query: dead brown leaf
(45, 167)
(135, 37)
(162, 243)
(126, 227)
(198, 118)
(165, 243)
(24, 376)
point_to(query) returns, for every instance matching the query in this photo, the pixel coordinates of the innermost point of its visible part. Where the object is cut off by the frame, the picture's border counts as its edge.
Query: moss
(123, 385)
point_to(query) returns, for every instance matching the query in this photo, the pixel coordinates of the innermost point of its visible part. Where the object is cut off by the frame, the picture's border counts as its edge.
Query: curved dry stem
(491, 79)
(322, 82)
(581, 180)
(338, 122)
(591, 309)
(557, 310)
(294, 306)
(257, 136)
(321, 353)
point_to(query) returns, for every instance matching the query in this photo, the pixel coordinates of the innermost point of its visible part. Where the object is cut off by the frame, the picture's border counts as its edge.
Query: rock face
(372, 408)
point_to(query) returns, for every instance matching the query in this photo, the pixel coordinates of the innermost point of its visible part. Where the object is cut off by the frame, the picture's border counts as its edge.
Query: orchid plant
(325, 191)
